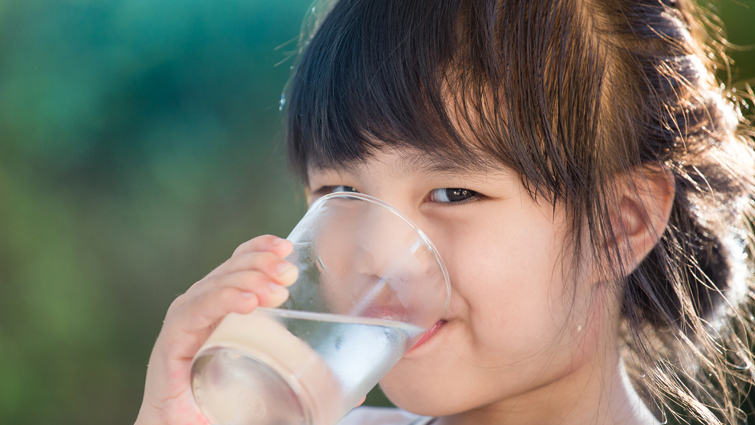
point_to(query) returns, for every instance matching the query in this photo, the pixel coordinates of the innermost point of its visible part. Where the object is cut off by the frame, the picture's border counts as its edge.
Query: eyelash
(471, 195)
(332, 189)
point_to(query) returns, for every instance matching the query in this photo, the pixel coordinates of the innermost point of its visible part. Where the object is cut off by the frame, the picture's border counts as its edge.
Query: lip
(432, 331)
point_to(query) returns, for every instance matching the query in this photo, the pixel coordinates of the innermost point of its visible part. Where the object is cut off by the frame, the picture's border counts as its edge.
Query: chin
(421, 404)
(423, 396)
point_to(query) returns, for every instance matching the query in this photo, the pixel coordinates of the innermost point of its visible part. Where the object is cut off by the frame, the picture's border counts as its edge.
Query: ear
(640, 213)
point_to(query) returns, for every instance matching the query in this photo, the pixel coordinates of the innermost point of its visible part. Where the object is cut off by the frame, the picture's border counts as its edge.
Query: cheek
(514, 316)
(511, 279)
(516, 305)
(514, 291)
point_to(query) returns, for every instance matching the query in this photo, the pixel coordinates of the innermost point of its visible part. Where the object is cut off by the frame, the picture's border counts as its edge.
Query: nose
(377, 264)
(364, 245)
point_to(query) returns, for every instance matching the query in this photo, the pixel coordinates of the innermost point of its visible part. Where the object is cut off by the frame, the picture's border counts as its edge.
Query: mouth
(429, 334)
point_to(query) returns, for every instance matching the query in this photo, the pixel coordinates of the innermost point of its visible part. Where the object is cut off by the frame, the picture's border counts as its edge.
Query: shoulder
(368, 415)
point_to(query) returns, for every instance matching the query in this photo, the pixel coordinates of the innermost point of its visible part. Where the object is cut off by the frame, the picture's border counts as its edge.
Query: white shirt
(368, 415)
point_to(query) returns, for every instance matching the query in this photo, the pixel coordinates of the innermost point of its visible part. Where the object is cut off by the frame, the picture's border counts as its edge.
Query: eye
(324, 190)
(342, 188)
(452, 195)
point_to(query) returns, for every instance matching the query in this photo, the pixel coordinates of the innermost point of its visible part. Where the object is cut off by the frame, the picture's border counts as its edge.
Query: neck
(597, 393)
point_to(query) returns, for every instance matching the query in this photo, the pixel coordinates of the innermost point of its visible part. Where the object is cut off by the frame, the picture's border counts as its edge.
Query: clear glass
(370, 285)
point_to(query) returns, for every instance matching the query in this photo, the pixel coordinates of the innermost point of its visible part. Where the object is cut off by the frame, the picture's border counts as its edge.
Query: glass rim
(361, 196)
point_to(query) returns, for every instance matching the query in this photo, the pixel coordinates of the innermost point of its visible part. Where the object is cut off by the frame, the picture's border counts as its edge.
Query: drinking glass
(370, 285)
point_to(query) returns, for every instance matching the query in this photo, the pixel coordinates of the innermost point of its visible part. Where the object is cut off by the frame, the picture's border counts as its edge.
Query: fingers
(205, 311)
(238, 292)
(271, 265)
(269, 243)
(268, 263)
(265, 254)
(268, 292)
(192, 316)
(255, 276)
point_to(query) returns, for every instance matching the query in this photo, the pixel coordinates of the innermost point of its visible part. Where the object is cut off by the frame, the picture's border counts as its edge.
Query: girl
(583, 174)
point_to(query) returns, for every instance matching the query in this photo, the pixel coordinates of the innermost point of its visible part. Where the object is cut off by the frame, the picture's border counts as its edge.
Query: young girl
(582, 173)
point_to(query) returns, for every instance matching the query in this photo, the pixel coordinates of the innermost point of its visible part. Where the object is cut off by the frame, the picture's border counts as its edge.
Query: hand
(255, 275)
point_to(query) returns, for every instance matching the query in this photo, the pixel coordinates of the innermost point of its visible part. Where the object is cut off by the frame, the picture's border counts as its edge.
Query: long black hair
(569, 94)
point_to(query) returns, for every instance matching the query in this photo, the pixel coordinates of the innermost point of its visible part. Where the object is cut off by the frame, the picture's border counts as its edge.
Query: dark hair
(569, 94)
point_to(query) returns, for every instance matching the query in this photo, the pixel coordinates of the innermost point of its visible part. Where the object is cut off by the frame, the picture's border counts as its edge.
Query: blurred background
(140, 143)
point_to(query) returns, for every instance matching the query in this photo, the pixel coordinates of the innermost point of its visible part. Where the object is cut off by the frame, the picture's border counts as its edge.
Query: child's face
(517, 321)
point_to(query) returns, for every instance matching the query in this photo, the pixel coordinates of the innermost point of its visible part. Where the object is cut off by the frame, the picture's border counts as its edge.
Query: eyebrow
(447, 165)
(423, 162)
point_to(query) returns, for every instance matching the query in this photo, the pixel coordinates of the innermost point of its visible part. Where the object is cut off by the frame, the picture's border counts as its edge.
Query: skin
(526, 339)
(255, 275)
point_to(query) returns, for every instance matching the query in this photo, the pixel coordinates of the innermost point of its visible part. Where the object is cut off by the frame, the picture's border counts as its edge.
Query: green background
(140, 143)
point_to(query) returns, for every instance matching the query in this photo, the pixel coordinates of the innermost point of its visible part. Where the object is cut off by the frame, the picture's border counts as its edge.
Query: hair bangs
(452, 79)
(375, 75)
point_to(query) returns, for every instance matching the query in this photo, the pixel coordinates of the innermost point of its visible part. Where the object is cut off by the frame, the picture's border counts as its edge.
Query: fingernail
(283, 268)
(274, 287)
(278, 241)
(246, 295)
